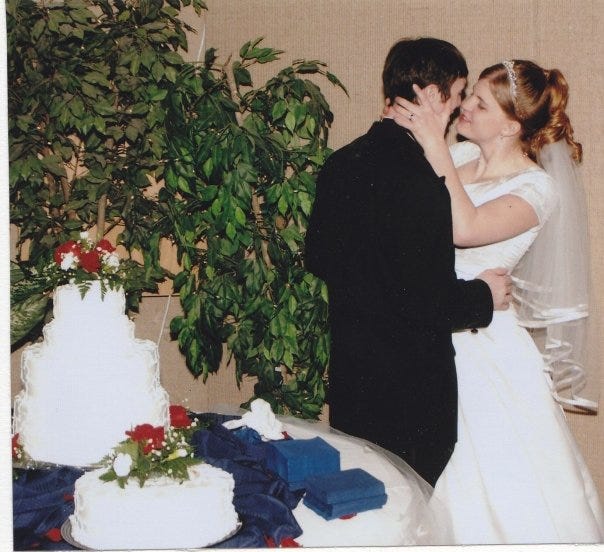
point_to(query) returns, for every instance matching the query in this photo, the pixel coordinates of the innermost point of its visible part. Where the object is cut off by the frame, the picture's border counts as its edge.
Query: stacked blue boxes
(314, 465)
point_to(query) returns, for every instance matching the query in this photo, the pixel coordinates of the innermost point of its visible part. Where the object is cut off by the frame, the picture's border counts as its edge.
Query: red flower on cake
(179, 416)
(104, 246)
(90, 261)
(69, 246)
(16, 447)
(152, 437)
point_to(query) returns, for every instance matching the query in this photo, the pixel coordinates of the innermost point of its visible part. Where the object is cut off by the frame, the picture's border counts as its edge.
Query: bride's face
(482, 119)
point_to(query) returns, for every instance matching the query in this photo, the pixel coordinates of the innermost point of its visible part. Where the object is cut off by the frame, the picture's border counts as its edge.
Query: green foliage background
(101, 87)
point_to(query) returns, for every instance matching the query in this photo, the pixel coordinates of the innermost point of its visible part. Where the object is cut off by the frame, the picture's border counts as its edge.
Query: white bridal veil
(552, 285)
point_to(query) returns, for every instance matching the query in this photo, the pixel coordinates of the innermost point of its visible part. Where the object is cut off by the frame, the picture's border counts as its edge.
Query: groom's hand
(500, 284)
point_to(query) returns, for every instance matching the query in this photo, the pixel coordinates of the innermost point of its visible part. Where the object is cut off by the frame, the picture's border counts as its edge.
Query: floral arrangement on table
(151, 451)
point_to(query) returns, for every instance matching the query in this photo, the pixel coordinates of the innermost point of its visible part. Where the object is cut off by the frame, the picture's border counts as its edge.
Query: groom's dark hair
(422, 61)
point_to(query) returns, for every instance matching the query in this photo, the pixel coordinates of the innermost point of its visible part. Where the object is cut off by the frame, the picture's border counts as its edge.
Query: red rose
(270, 542)
(16, 445)
(54, 534)
(104, 246)
(178, 416)
(67, 247)
(145, 433)
(90, 261)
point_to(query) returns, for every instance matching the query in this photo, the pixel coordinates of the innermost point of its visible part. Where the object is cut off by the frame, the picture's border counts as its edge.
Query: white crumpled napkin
(260, 418)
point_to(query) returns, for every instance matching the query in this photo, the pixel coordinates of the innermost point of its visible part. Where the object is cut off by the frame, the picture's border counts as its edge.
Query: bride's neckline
(503, 178)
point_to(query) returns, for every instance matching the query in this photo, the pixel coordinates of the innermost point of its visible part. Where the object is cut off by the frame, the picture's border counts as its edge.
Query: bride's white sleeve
(538, 191)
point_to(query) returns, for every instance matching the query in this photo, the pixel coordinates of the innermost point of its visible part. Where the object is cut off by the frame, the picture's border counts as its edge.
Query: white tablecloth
(409, 517)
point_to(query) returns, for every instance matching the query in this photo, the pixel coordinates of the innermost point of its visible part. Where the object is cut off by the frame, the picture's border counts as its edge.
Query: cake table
(271, 513)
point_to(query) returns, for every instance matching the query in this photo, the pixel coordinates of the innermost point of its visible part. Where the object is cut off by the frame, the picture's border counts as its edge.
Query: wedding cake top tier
(97, 318)
(69, 305)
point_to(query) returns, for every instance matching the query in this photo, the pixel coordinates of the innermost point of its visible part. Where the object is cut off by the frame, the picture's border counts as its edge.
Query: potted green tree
(101, 108)
(239, 186)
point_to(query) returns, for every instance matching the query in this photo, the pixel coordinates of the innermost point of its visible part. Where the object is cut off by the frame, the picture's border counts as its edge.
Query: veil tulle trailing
(552, 285)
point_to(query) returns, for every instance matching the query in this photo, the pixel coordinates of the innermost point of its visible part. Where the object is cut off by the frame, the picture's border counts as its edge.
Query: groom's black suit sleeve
(380, 235)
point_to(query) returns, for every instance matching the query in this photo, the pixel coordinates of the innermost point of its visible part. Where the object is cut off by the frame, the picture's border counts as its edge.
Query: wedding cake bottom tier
(164, 513)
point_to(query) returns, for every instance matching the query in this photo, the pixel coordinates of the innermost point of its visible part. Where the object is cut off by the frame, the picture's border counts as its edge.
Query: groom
(380, 236)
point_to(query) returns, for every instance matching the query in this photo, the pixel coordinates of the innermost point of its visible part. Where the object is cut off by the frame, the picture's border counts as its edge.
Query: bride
(516, 475)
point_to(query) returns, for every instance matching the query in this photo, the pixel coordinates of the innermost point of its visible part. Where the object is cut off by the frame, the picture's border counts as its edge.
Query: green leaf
(156, 94)
(240, 216)
(157, 70)
(292, 304)
(53, 164)
(230, 230)
(242, 75)
(25, 315)
(171, 73)
(173, 57)
(139, 109)
(279, 109)
(290, 121)
(282, 205)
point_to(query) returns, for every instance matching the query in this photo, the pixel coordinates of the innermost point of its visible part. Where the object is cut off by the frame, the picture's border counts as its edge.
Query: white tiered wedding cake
(88, 381)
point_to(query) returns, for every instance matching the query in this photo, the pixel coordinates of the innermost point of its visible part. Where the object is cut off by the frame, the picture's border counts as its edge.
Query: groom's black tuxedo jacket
(380, 236)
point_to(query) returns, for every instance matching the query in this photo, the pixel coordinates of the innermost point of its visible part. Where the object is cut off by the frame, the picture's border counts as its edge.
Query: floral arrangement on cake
(152, 451)
(20, 458)
(82, 261)
(17, 448)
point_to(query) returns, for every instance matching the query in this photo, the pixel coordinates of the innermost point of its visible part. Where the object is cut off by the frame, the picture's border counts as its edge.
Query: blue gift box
(343, 493)
(297, 459)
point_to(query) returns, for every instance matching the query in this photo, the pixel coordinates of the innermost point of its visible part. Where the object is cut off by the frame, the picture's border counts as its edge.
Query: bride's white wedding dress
(516, 475)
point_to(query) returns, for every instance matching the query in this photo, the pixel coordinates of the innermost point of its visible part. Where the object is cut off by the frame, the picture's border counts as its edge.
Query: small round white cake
(88, 381)
(164, 513)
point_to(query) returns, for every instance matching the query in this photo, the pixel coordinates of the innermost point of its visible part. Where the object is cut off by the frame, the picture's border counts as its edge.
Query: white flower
(68, 261)
(111, 260)
(182, 453)
(122, 464)
(84, 235)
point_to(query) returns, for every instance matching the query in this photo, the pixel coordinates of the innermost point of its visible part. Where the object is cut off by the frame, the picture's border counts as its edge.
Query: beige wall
(353, 37)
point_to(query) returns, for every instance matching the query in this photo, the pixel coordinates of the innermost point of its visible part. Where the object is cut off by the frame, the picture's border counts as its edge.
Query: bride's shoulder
(464, 152)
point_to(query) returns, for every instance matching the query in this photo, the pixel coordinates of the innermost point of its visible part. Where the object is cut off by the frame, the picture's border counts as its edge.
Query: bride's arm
(494, 221)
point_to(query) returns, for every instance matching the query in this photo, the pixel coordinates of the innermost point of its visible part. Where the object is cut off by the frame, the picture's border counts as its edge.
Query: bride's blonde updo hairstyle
(537, 99)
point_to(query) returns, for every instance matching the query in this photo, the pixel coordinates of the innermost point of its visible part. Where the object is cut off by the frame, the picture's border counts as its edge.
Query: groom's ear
(433, 94)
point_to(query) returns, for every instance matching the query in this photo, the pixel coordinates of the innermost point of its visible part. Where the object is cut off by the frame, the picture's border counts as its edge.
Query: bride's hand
(427, 126)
